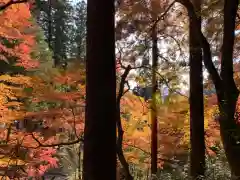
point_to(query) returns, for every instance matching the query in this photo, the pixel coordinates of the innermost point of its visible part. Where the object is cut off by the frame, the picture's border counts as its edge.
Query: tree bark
(100, 126)
(197, 153)
(154, 139)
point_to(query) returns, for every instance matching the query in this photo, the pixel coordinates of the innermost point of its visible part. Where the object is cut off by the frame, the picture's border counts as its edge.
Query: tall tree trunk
(154, 139)
(197, 153)
(100, 126)
(227, 92)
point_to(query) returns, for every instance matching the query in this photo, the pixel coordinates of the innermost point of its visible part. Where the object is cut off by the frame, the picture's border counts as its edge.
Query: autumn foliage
(30, 128)
(17, 28)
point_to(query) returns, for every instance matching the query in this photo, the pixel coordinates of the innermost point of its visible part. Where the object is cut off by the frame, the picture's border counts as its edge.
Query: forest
(119, 90)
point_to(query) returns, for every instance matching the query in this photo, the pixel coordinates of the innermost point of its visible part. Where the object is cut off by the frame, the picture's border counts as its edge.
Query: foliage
(35, 112)
(16, 36)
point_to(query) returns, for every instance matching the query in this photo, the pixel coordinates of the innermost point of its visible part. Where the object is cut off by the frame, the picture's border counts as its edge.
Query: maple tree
(17, 43)
(28, 143)
(16, 31)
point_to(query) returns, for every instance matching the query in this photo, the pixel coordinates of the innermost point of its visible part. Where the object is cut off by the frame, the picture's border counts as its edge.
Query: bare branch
(56, 144)
(161, 17)
(11, 2)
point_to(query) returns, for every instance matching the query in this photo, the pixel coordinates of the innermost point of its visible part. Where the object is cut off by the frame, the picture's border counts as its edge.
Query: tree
(61, 19)
(226, 90)
(18, 43)
(80, 34)
(197, 152)
(56, 19)
(154, 124)
(100, 127)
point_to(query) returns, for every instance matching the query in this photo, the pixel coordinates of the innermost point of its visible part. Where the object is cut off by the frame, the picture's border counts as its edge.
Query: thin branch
(128, 89)
(11, 2)
(119, 125)
(161, 17)
(56, 144)
(74, 122)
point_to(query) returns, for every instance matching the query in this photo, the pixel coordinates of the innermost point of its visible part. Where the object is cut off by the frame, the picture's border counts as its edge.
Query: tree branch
(11, 2)
(56, 144)
(119, 125)
(161, 17)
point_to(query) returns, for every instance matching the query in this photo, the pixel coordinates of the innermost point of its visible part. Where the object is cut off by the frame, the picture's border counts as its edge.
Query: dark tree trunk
(227, 92)
(197, 153)
(154, 139)
(100, 126)
(230, 130)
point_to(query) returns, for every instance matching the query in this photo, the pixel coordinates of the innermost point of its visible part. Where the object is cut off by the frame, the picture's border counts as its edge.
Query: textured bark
(100, 126)
(197, 153)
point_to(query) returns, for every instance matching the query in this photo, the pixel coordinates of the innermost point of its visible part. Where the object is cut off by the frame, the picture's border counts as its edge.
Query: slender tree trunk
(154, 139)
(123, 161)
(100, 126)
(80, 161)
(197, 153)
(49, 23)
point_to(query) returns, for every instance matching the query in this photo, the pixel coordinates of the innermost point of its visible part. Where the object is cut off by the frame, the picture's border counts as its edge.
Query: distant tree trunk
(154, 139)
(49, 23)
(99, 161)
(80, 161)
(197, 153)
